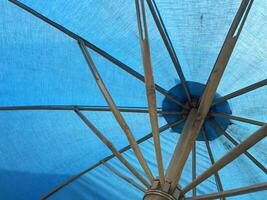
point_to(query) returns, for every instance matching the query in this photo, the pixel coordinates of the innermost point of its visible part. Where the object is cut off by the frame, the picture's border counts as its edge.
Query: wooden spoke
(126, 178)
(149, 82)
(97, 50)
(194, 174)
(241, 119)
(224, 55)
(175, 168)
(182, 150)
(216, 174)
(87, 108)
(230, 193)
(124, 149)
(115, 111)
(231, 139)
(111, 147)
(240, 92)
(229, 157)
(164, 35)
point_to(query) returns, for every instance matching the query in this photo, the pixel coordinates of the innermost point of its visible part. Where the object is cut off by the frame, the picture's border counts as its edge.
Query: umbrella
(155, 99)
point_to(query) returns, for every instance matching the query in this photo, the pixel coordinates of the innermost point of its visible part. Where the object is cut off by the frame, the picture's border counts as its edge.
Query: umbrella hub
(156, 192)
(196, 90)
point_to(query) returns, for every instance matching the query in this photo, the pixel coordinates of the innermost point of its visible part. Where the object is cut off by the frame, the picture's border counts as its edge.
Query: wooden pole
(111, 147)
(124, 149)
(240, 92)
(230, 193)
(87, 108)
(149, 82)
(164, 35)
(196, 121)
(181, 151)
(216, 174)
(229, 157)
(126, 178)
(241, 119)
(194, 165)
(231, 139)
(116, 112)
(96, 49)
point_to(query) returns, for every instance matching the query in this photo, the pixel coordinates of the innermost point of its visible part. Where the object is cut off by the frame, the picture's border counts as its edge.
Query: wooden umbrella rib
(176, 166)
(111, 147)
(233, 192)
(229, 157)
(149, 83)
(182, 149)
(96, 49)
(231, 139)
(240, 92)
(124, 149)
(115, 111)
(164, 35)
(126, 178)
(194, 174)
(216, 174)
(87, 108)
(241, 119)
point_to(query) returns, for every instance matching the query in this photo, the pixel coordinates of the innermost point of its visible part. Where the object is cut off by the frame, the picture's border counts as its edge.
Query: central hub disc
(196, 90)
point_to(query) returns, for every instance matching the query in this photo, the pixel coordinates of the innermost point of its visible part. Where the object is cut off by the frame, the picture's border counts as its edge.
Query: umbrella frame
(166, 186)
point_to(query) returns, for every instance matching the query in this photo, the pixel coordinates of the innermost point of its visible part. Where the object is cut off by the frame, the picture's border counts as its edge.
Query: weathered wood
(241, 119)
(87, 108)
(230, 193)
(229, 157)
(124, 149)
(126, 178)
(149, 82)
(111, 147)
(194, 166)
(216, 174)
(181, 151)
(231, 139)
(176, 167)
(97, 50)
(240, 92)
(118, 116)
(167, 42)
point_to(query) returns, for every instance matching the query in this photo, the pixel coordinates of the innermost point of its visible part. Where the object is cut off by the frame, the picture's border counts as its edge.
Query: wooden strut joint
(115, 111)
(234, 192)
(216, 174)
(229, 157)
(173, 174)
(126, 178)
(167, 42)
(124, 149)
(231, 139)
(97, 50)
(240, 92)
(111, 147)
(149, 82)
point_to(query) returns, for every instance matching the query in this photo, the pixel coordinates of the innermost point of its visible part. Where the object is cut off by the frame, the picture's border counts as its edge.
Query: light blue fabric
(40, 65)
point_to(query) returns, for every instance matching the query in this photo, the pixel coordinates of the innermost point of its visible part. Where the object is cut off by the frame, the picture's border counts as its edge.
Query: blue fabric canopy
(42, 66)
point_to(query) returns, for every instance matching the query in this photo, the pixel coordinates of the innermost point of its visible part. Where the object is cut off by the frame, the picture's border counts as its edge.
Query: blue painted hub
(196, 90)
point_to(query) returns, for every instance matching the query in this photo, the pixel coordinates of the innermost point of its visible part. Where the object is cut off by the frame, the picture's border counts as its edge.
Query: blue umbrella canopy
(121, 99)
